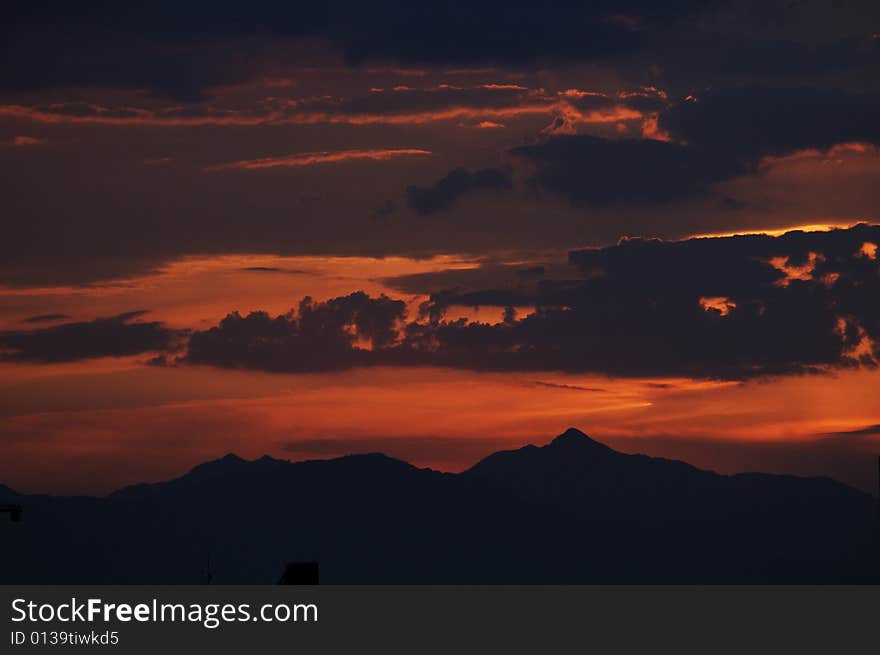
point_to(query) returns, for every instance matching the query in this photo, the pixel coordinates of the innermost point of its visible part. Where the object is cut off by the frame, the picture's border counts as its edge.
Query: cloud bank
(724, 308)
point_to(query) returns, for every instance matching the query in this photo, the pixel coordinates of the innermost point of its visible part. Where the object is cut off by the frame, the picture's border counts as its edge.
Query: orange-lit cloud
(864, 348)
(651, 130)
(645, 92)
(868, 250)
(802, 272)
(720, 304)
(464, 113)
(830, 156)
(311, 158)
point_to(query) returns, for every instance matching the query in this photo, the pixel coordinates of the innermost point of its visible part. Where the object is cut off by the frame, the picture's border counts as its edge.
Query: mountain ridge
(570, 511)
(571, 438)
(570, 454)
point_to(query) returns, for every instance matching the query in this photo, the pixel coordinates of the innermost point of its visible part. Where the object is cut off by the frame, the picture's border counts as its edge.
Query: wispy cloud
(866, 431)
(567, 387)
(322, 157)
(483, 106)
(23, 141)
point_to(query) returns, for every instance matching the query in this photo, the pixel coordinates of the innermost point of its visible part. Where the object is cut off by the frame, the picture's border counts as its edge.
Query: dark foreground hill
(573, 511)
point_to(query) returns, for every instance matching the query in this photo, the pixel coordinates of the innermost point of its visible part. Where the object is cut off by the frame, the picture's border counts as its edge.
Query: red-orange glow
(610, 114)
(651, 130)
(20, 141)
(92, 431)
(830, 156)
(830, 279)
(198, 291)
(536, 102)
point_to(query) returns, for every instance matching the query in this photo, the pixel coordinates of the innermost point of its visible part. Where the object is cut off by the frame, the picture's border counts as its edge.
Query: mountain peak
(571, 448)
(574, 437)
(571, 434)
(231, 463)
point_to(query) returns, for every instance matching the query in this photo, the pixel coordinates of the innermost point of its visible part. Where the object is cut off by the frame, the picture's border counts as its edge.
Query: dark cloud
(497, 32)
(531, 272)
(274, 269)
(589, 170)
(45, 318)
(729, 308)
(338, 333)
(747, 123)
(718, 135)
(870, 430)
(706, 56)
(179, 50)
(569, 387)
(54, 55)
(646, 309)
(488, 274)
(443, 193)
(383, 211)
(117, 336)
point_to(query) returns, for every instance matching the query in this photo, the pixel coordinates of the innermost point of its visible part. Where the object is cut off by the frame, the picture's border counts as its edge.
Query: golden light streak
(776, 232)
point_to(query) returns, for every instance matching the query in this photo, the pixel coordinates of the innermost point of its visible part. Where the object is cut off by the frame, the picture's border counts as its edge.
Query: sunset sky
(436, 231)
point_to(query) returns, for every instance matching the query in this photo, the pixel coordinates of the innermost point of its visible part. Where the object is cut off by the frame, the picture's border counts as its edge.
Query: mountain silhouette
(572, 511)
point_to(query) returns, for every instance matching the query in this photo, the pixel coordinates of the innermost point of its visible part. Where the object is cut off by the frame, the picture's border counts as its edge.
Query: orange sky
(198, 291)
(294, 182)
(94, 426)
